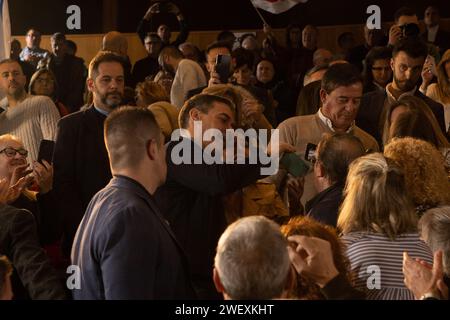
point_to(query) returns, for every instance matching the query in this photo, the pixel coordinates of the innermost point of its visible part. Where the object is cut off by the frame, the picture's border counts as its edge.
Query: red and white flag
(276, 6)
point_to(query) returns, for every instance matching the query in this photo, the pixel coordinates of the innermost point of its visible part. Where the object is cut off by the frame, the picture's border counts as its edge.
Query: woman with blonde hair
(378, 223)
(153, 96)
(440, 91)
(424, 169)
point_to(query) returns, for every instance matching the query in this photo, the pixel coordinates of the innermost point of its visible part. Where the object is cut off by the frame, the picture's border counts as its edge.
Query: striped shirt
(32, 120)
(376, 263)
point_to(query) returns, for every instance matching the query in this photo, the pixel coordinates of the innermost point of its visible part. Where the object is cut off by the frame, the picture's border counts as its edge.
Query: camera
(410, 30)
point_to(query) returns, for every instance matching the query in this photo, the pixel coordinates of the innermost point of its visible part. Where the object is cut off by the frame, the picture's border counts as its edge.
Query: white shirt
(329, 124)
(189, 76)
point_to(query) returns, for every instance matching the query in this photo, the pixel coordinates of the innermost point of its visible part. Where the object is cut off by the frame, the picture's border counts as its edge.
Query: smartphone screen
(223, 65)
(46, 151)
(310, 152)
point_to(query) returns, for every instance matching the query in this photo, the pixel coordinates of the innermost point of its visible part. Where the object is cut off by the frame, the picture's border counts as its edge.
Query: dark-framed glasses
(11, 152)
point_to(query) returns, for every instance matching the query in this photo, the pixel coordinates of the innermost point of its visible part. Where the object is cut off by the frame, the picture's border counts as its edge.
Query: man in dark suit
(192, 197)
(407, 61)
(124, 247)
(81, 166)
(69, 71)
(434, 33)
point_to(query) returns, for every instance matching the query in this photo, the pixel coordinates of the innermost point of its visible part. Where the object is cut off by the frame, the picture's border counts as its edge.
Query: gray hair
(252, 259)
(434, 227)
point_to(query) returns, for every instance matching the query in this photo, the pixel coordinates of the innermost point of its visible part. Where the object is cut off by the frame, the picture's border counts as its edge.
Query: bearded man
(407, 64)
(81, 165)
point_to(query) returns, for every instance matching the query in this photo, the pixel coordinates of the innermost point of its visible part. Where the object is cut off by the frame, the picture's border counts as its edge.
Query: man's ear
(217, 283)
(319, 171)
(392, 64)
(323, 95)
(194, 114)
(152, 149)
(90, 84)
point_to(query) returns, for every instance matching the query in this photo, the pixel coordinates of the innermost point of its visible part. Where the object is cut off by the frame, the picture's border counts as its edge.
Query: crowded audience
(152, 178)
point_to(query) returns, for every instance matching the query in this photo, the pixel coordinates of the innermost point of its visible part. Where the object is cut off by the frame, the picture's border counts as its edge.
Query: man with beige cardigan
(340, 93)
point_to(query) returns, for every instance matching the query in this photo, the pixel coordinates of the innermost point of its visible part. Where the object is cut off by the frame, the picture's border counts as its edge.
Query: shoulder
(366, 138)
(296, 122)
(75, 118)
(11, 215)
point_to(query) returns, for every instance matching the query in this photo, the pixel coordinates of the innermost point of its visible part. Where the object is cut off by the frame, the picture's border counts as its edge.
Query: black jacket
(70, 76)
(324, 207)
(191, 200)
(81, 167)
(126, 250)
(19, 242)
(372, 107)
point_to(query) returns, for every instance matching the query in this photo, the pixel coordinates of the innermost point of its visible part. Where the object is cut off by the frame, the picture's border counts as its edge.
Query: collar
(329, 124)
(404, 94)
(103, 112)
(131, 183)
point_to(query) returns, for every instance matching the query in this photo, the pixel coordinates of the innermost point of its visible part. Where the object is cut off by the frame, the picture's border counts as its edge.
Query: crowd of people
(359, 208)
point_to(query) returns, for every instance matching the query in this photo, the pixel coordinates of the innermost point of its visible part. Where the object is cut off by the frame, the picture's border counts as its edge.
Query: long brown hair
(443, 78)
(417, 122)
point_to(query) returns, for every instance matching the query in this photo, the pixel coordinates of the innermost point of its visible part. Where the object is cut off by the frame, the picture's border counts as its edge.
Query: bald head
(322, 56)
(336, 152)
(116, 42)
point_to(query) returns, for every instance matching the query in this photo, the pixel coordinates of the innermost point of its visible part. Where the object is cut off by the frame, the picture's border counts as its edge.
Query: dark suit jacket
(324, 207)
(19, 242)
(442, 39)
(372, 106)
(70, 77)
(191, 200)
(81, 167)
(126, 250)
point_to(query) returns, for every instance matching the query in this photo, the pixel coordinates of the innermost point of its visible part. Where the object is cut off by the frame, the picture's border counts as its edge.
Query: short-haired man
(33, 53)
(408, 58)
(124, 246)
(188, 74)
(252, 262)
(191, 198)
(332, 158)
(406, 24)
(31, 118)
(80, 160)
(434, 33)
(69, 71)
(212, 51)
(147, 67)
(340, 94)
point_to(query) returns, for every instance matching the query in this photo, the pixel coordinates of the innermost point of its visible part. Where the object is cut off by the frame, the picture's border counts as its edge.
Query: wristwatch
(430, 296)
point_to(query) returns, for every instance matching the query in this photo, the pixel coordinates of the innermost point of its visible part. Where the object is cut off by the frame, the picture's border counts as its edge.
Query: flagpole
(259, 14)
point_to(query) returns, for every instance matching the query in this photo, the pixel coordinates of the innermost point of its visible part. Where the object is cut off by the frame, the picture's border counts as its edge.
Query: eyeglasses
(11, 152)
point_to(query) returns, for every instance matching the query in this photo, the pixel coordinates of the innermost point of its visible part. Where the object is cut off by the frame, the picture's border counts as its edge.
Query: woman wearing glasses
(377, 71)
(22, 234)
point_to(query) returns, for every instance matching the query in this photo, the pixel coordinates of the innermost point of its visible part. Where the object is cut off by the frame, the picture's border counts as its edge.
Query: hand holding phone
(46, 151)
